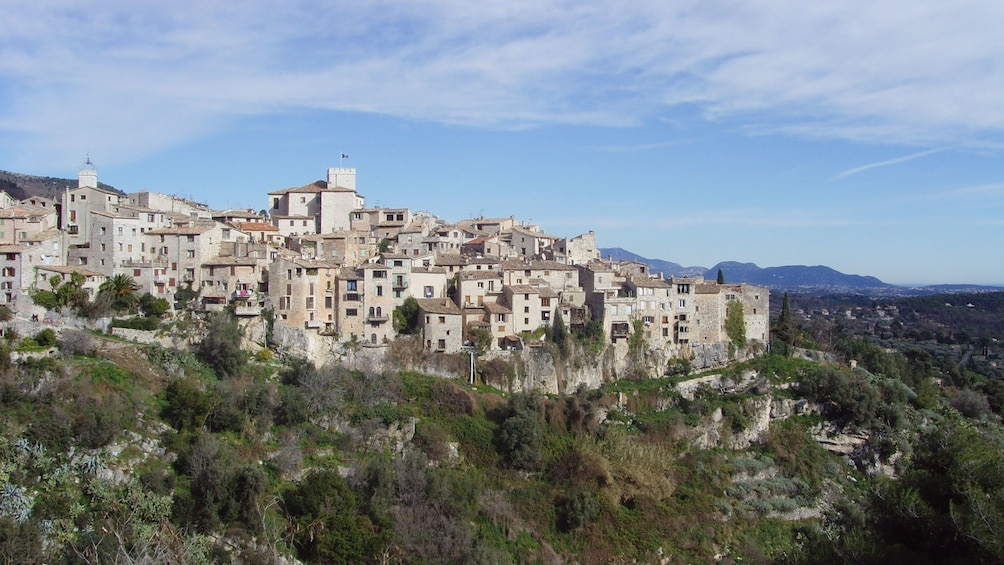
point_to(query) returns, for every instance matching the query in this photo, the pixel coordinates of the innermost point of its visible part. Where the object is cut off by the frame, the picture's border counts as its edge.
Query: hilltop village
(329, 272)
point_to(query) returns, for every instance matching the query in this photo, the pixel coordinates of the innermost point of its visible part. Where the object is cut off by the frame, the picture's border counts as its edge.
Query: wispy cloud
(888, 162)
(634, 148)
(129, 78)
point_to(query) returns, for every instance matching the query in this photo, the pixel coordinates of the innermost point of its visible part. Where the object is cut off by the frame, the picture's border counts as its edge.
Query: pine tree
(784, 328)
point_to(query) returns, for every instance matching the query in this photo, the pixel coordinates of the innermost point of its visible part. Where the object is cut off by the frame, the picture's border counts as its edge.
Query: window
(310, 303)
(501, 317)
(190, 253)
(136, 272)
(683, 289)
(350, 312)
(379, 274)
(103, 230)
(442, 319)
(683, 303)
(102, 246)
(351, 285)
(442, 344)
(526, 309)
(379, 290)
(545, 302)
(327, 302)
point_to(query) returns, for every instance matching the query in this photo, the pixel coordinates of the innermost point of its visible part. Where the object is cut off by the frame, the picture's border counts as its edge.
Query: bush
(970, 403)
(75, 342)
(577, 509)
(521, 435)
(221, 347)
(328, 526)
(45, 338)
(137, 323)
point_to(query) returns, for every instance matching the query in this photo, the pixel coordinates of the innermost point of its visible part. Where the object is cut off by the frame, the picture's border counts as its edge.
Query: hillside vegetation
(114, 452)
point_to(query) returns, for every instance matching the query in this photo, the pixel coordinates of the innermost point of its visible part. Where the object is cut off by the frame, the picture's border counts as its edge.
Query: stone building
(441, 324)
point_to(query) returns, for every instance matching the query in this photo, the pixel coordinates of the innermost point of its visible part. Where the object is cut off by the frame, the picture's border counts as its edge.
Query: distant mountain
(798, 278)
(795, 277)
(22, 186)
(667, 268)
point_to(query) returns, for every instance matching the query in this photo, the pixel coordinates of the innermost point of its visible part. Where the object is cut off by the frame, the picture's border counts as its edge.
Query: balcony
(242, 294)
(400, 284)
(312, 324)
(247, 310)
(377, 318)
(619, 330)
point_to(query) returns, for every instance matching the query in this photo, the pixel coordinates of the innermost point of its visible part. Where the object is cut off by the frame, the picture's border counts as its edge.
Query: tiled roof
(496, 308)
(648, 282)
(196, 229)
(438, 306)
(521, 289)
(67, 269)
(255, 226)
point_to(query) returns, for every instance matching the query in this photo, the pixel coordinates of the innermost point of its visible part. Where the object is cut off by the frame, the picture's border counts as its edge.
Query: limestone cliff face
(533, 368)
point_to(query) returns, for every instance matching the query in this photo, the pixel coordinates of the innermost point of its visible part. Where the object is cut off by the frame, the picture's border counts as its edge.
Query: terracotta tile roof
(255, 226)
(196, 229)
(438, 306)
(521, 289)
(648, 282)
(496, 308)
(315, 186)
(65, 269)
(450, 260)
(479, 275)
(235, 261)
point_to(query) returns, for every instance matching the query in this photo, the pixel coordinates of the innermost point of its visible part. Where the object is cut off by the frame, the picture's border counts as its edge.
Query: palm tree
(122, 289)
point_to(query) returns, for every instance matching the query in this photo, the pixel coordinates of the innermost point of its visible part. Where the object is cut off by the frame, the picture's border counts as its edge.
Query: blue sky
(862, 135)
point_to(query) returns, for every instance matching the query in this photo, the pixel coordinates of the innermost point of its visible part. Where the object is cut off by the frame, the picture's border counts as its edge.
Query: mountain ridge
(793, 278)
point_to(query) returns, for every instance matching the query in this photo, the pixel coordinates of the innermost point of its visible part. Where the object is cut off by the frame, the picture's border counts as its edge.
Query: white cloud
(141, 76)
(887, 162)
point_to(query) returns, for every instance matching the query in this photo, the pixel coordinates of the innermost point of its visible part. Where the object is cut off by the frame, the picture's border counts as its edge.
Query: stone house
(318, 207)
(441, 324)
(19, 222)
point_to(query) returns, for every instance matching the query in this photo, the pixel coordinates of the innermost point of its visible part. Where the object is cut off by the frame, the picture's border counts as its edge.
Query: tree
(559, 333)
(521, 435)
(151, 306)
(481, 338)
(221, 347)
(406, 316)
(328, 525)
(784, 328)
(122, 289)
(735, 323)
(721, 277)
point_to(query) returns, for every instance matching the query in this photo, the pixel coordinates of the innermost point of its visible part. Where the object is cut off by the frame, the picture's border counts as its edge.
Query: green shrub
(45, 338)
(137, 323)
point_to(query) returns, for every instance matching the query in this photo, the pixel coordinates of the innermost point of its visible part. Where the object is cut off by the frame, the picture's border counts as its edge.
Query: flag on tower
(345, 156)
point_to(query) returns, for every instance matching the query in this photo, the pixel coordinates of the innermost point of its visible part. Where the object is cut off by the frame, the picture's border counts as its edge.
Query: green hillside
(116, 452)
